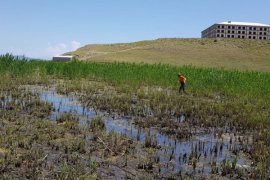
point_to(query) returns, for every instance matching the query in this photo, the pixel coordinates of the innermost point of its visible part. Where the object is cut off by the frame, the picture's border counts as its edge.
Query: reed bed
(200, 80)
(216, 97)
(237, 91)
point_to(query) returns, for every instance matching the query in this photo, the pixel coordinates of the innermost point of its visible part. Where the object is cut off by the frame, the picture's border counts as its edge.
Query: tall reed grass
(244, 93)
(200, 80)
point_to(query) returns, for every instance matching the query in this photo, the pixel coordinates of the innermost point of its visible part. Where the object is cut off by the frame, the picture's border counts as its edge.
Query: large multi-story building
(241, 30)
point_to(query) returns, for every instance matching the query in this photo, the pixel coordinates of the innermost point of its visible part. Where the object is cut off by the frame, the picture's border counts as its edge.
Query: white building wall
(238, 31)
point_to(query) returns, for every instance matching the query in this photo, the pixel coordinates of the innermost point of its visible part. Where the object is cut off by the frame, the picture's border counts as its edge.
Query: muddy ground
(95, 130)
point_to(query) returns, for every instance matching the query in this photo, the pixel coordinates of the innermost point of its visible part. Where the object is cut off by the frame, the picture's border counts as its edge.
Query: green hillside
(228, 53)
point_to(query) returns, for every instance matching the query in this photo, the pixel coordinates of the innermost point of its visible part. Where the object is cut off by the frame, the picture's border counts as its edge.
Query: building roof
(244, 23)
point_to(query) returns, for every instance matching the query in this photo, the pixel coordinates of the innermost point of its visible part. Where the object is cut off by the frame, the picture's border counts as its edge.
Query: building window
(264, 29)
(222, 31)
(222, 35)
(233, 27)
(233, 32)
(239, 32)
(254, 28)
(229, 27)
(260, 37)
(261, 29)
(232, 36)
(249, 32)
(239, 27)
(250, 28)
(254, 37)
(264, 33)
(218, 30)
(264, 37)
(254, 32)
(218, 26)
(243, 37)
(239, 36)
(222, 27)
(217, 35)
(228, 36)
(249, 37)
(244, 27)
(229, 31)
(260, 33)
(243, 32)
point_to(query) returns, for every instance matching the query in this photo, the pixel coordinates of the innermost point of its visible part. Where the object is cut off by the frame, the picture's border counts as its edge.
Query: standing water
(199, 154)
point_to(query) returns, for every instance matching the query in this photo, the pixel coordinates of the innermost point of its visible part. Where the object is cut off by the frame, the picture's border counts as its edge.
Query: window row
(244, 28)
(239, 36)
(242, 32)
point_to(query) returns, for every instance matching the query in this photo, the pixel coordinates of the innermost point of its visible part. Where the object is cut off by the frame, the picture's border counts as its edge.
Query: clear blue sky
(41, 29)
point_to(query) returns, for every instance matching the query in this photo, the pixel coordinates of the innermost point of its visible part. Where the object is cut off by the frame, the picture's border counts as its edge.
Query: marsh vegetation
(87, 120)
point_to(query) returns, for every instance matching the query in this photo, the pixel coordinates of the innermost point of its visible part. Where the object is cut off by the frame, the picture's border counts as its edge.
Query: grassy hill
(227, 53)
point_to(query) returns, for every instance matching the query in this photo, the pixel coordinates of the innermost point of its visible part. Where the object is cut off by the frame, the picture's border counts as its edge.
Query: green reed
(200, 80)
(244, 95)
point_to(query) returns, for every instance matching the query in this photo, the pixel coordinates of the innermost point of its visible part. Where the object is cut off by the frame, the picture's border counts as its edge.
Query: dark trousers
(182, 87)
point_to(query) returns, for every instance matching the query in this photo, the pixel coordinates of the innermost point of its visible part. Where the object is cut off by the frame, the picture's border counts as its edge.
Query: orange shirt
(182, 79)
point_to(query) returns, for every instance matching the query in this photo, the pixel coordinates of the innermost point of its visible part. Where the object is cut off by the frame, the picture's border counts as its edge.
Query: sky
(42, 29)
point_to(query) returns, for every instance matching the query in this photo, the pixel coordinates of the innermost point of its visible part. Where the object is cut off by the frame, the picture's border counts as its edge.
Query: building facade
(239, 30)
(63, 58)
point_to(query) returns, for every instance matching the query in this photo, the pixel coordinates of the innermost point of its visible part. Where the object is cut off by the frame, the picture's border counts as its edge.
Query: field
(88, 120)
(232, 54)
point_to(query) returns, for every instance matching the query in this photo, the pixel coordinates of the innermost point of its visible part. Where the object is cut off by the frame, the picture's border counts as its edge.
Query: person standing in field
(182, 81)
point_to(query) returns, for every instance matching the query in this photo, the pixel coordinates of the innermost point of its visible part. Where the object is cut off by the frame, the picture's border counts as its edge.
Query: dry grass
(227, 53)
